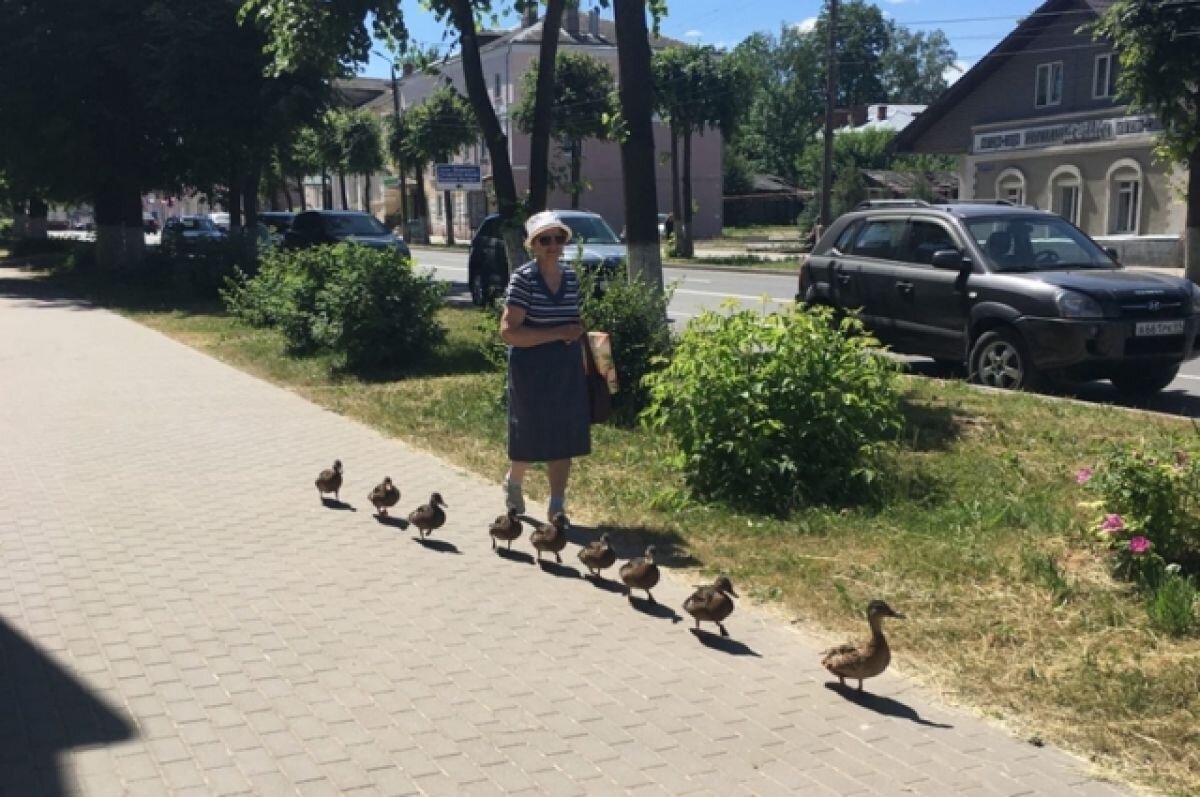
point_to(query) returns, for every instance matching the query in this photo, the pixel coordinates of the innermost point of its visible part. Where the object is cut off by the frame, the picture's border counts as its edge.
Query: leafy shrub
(1171, 606)
(365, 305)
(773, 411)
(634, 314)
(201, 270)
(376, 312)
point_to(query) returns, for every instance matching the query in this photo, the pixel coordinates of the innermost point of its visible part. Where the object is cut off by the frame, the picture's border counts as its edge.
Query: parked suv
(593, 246)
(1019, 296)
(319, 227)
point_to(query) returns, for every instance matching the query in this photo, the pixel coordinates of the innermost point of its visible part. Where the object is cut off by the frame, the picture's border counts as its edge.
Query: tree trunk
(576, 172)
(20, 212)
(637, 150)
(448, 205)
(110, 232)
(345, 197)
(326, 191)
(505, 186)
(250, 200)
(1191, 234)
(234, 207)
(403, 202)
(134, 228)
(683, 246)
(367, 193)
(422, 213)
(303, 199)
(539, 138)
(36, 223)
(676, 202)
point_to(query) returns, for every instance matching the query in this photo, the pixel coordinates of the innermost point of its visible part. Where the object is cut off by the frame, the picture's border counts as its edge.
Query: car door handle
(904, 287)
(844, 279)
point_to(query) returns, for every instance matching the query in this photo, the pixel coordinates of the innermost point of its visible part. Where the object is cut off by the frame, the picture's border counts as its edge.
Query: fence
(773, 209)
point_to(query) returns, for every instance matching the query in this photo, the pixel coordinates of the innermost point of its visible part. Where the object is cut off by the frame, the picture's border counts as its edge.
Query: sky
(972, 27)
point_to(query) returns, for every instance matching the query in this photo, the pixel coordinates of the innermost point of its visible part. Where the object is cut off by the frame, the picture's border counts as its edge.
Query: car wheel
(999, 359)
(481, 295)
(1145, 380)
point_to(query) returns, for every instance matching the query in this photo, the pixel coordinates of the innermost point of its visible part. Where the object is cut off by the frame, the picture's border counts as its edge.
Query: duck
(551, 537)
(506, 527)
(865, 660)
(429, 517)
(640, 573)
(712, 603)
(384, 495)
(330, 480)
(597, 556)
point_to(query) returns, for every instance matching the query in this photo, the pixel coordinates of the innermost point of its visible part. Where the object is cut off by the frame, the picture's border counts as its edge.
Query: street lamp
(396, 154)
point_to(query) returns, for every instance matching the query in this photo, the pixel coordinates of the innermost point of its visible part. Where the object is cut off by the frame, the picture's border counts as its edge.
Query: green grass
(981, 540)
(791, 264)
(760, 231)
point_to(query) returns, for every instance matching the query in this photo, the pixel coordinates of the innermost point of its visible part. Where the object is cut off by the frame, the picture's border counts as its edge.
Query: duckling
(428, 517)
(550, 537)
(330, 480)
(506, 527)
(640, 573)
(597, 556)
(384, 495)
(712, 604)
(867, 659)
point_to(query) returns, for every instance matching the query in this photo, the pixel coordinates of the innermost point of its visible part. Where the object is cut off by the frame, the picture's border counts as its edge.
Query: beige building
(506, 56)
(1038, 121)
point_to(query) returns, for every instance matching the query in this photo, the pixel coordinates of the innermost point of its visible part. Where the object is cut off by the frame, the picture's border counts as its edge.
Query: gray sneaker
(513, 498)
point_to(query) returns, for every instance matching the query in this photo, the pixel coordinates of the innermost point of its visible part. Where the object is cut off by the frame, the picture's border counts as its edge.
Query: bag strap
(589, 356)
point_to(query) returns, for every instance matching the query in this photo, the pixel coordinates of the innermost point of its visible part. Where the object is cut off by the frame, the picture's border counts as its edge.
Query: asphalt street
(697, 290)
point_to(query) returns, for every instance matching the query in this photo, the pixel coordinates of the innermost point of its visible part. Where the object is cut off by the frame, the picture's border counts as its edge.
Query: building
(1037, 121)
(506, 56)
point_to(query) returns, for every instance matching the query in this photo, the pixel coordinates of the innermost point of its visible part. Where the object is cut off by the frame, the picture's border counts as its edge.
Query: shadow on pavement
(441, 546)
(555, 569)
(631, 541)
(606, 584)
(332, 503)
(655, 609)
(724, 644)
(883, 705)
(391, 520)
(44, 712)
(515, 556)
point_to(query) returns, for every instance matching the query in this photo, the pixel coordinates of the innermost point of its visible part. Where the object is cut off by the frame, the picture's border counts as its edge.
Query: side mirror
(949, 259)
(1108, 250)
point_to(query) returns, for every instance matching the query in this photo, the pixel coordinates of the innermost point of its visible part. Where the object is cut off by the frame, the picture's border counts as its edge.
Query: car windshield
(356, 224)
(1035, 243)
(590, 230)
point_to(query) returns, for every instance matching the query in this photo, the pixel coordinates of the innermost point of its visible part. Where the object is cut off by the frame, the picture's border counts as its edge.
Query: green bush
(366, 306)
(201, 270)
(1171, 605)
(775, 411)
(634, 314)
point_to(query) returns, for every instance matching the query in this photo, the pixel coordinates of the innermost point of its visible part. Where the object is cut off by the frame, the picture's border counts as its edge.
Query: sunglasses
(546, 240)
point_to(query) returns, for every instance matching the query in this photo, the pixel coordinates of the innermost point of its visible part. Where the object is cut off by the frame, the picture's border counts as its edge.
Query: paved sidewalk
(179, 615)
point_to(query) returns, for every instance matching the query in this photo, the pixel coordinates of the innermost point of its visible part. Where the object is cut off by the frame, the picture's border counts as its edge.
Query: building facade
(506, 57)
(1038, 121)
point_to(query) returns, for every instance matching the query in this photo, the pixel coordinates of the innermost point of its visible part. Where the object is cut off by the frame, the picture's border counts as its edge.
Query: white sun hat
(539, 223)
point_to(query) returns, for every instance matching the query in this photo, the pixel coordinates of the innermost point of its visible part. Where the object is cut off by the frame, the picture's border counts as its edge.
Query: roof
(906, 182)
(769, 183)
(898, 117)
(1010, 45)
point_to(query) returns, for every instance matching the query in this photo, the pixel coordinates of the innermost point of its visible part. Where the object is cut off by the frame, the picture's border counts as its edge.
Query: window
(1034, 243)
(1049, 85)
(924, 239)
(880, 239)
(843, 242)
(1124, 197)
(1066, 192)
(1104, 80)
(1010, 185)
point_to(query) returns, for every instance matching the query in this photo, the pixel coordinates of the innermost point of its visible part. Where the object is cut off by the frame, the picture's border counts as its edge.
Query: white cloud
(694, 34)
(956, 71)
(806, 25)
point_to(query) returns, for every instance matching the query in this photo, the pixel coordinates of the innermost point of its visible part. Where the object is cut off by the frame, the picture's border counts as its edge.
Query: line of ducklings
(711, 603)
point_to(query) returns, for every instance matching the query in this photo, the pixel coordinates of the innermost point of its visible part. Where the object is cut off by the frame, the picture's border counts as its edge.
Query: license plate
(1150, 328)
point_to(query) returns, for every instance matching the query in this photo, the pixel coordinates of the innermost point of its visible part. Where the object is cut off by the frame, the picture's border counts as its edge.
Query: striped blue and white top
(527, 290)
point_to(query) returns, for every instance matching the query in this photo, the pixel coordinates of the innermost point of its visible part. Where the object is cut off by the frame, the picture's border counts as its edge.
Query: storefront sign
(1065, 133)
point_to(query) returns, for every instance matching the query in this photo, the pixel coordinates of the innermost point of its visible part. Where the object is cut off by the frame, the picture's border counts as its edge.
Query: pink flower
(1112, 524)
(1083, 475)
(1139, 544)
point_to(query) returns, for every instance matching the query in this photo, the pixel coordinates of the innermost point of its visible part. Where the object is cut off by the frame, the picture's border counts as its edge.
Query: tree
(637, 144)
(441, 126)
(582, 105)
(542, 103)
(1160, 73)
(862, 39)
(914, 65)
(694, 89)
(362, 148)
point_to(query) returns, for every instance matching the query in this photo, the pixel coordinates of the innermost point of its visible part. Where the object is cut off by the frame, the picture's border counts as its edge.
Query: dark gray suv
(1018, 296)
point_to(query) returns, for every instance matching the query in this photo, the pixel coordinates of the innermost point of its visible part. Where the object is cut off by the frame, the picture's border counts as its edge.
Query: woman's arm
(514, 332)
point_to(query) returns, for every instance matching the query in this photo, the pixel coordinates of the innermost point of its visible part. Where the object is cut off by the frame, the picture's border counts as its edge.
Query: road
(698, 290)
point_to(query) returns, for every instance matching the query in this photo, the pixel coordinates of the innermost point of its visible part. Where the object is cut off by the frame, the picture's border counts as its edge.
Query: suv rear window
(880, 239)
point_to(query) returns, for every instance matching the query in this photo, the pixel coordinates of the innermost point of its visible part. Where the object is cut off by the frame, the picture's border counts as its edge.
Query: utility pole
(830, 103)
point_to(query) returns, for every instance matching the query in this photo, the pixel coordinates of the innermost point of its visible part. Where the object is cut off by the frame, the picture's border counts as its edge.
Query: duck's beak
(898, 615)
(734, 594)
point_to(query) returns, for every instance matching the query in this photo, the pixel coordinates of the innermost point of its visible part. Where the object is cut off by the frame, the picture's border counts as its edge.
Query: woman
(548, 415)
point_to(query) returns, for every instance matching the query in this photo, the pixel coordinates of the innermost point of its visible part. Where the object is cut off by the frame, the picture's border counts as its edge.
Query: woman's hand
(569, 332)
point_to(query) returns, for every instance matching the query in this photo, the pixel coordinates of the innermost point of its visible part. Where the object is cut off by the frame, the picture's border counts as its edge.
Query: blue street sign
(456, 176)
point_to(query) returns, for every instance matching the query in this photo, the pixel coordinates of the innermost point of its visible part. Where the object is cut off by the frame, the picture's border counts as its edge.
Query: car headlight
(1072, 304)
